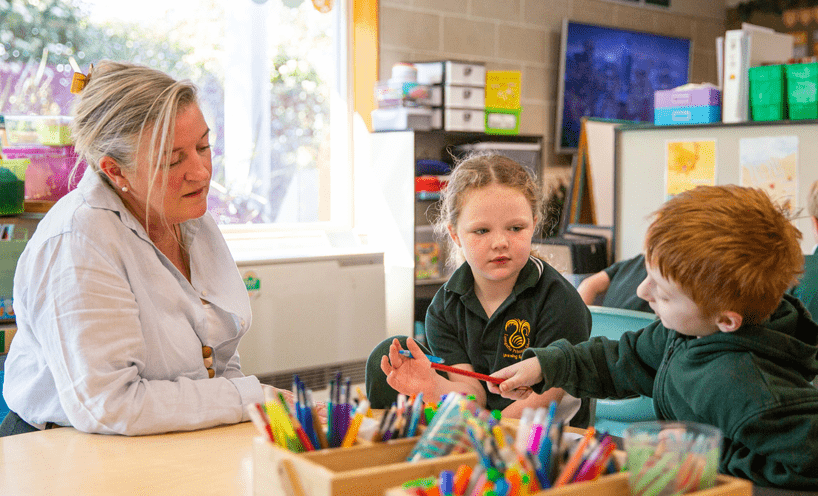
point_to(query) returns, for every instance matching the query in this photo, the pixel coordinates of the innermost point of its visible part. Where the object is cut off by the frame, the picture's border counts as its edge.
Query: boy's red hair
(730, 248)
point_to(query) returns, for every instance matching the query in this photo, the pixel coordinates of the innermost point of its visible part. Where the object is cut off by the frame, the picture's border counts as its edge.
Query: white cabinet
(312, 314)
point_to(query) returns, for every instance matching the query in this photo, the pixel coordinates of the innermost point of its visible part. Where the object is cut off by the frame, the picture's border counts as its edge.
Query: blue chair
(613, 416)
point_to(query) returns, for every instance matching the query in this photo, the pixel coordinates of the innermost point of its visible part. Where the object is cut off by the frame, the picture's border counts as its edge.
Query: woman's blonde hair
(121, 104)
(477, 171)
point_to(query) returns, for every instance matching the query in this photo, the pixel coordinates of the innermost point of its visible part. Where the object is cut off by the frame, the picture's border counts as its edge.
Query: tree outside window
(190, 39)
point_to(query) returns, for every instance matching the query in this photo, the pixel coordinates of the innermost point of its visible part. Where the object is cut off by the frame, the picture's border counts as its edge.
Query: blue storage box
(689, 104)
(687, 115)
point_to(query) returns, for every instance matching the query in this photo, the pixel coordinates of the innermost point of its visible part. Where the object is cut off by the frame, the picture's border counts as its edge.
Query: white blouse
(109, 331)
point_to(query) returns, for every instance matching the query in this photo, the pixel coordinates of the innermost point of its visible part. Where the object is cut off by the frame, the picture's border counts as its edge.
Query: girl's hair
(730, 248)
(477, 171)
(122, 105)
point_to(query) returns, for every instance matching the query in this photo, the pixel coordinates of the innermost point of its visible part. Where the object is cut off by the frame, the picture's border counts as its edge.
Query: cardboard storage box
(617, 485)
(451, 72)
(368, 469)
(503, 89)
(402, 118)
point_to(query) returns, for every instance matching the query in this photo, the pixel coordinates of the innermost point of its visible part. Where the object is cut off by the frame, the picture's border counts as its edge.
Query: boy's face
(674, 306)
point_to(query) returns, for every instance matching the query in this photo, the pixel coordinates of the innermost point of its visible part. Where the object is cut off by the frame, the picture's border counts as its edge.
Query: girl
(500, 300)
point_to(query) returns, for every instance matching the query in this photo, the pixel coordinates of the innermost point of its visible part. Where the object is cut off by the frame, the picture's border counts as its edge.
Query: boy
(729, 348)
(617, 283)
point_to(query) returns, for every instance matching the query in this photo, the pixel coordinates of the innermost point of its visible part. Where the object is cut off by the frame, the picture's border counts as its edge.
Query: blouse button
(204, 292)
(242, 322)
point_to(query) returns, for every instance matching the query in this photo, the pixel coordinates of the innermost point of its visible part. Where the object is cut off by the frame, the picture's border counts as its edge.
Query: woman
(129, 305)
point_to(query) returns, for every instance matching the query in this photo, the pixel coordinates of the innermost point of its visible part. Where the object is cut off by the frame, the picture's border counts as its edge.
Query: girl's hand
(408, 375)
(517, 379)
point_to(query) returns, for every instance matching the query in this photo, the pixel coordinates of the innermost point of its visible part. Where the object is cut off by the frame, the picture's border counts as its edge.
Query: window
(273, 80)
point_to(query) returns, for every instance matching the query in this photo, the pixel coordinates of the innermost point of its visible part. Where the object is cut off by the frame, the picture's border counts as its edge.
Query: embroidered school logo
(515, 336)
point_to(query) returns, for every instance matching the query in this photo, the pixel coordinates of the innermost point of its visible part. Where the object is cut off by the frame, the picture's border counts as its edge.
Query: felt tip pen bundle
(437, 363)
(545, 461)
(299, 428)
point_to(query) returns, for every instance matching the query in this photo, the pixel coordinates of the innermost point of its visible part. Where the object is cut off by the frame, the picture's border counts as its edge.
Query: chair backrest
(613, 416)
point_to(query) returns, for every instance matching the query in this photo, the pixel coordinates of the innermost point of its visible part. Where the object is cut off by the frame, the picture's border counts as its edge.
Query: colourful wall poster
(689, 164)
(770, 163)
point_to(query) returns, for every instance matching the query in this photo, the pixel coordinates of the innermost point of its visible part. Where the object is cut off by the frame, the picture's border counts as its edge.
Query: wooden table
(67, 462)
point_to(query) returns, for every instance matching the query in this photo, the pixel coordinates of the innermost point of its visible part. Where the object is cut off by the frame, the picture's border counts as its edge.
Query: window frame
(340, 189)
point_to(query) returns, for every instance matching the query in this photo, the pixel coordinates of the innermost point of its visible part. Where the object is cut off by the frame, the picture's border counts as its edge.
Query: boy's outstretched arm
(517, 379)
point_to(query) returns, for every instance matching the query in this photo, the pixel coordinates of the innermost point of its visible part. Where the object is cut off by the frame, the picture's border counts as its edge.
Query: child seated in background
(807, 288)
(730, 349)
(618, 285)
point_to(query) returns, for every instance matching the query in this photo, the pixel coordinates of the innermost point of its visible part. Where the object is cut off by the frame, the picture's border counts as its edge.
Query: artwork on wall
(770, 163)
(689, 164)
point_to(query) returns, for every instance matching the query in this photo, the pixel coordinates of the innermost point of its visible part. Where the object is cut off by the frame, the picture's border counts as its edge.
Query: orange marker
(575, 460)
(461, 479)
(352, 431)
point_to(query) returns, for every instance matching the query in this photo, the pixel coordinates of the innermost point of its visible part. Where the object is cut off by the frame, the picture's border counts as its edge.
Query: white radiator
(313, 317)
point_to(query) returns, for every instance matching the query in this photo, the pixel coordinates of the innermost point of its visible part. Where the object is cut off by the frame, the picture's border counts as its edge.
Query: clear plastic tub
(12, 186)
(53, 130)
(47, 178)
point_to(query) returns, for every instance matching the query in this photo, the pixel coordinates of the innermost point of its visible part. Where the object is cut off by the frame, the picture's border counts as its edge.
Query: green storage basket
(767, 93)
(802, 90)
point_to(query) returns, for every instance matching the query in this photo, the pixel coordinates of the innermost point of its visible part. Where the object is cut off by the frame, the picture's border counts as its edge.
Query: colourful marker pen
(433, 359)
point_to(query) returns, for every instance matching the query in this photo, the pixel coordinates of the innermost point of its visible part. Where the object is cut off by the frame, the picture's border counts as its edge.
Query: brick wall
(524, 35)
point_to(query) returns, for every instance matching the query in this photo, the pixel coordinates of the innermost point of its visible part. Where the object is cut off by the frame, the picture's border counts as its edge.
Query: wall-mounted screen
(612, 73)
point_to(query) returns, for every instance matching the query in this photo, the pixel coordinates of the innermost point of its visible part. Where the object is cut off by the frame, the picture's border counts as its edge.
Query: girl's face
(188, 175)
(494, 231)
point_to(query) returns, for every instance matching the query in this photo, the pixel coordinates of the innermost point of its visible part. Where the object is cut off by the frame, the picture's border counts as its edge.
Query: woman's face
(188, 174)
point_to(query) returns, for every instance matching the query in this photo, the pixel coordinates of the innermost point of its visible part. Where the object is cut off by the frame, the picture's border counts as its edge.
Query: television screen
(612, 73)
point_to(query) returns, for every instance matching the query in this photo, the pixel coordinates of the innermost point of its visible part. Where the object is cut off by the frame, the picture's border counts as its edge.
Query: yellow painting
(689, 164)
(770, 163)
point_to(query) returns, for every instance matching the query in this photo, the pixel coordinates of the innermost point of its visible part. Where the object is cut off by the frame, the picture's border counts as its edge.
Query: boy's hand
(517, 379)
(408, 375)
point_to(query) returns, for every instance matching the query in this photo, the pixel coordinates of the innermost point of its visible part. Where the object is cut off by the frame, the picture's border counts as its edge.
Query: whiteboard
(639, 180)
(600, 135)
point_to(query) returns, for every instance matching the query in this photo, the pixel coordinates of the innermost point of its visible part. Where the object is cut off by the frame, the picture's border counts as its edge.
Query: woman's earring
(124, 189)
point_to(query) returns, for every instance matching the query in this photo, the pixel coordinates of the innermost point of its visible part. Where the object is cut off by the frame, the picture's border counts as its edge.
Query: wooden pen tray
(366, 469)
(617, 485)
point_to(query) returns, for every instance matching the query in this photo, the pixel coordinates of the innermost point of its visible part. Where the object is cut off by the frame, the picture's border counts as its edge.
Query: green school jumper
(626, 276)
(807, 288)
(542, 308)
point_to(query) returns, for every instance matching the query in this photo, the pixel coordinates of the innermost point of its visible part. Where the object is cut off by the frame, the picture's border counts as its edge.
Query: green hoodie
(753, 384)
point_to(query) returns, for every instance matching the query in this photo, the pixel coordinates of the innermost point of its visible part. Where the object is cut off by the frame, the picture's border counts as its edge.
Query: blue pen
(408, 354)
(413, 420)
(544, 453)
